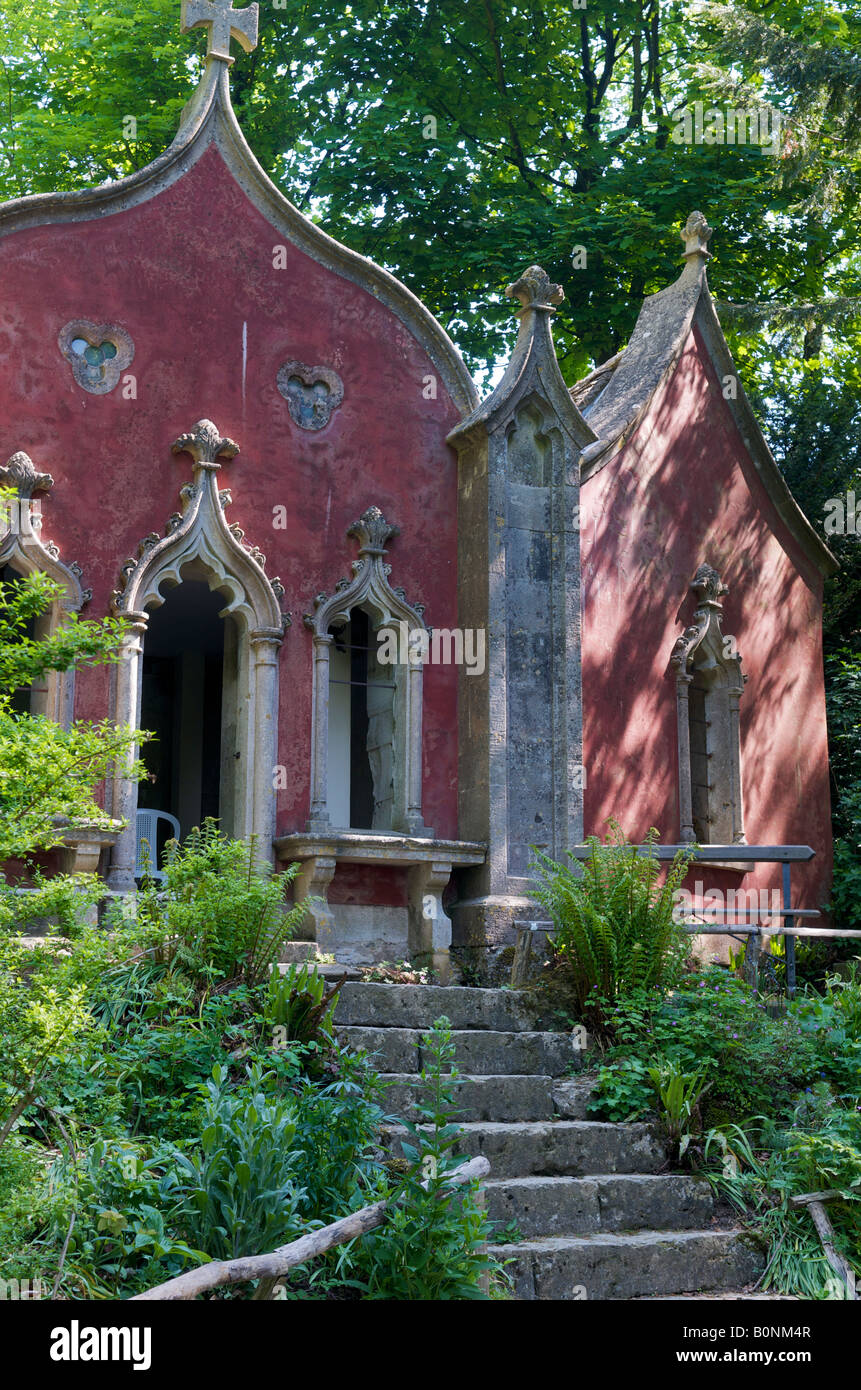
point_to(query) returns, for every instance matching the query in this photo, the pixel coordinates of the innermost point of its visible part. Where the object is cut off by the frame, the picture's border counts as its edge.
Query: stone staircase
(589, 1209)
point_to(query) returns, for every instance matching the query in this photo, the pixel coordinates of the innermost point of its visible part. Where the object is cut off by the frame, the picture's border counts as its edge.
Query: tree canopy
(457, 143)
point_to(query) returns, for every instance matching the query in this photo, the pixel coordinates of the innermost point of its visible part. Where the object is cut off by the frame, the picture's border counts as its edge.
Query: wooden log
(278, 1262)
(809, 931)
(806, 1197)
(814, 1201)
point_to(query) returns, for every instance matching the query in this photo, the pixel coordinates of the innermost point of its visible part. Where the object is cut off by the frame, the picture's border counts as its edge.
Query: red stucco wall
(683, 492)
(185, 273)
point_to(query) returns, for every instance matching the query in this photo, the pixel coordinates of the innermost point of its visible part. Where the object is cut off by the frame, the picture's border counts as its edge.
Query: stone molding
(223, 23)
(520, 724)
(429, 865)
(202, 532)
(18, 472)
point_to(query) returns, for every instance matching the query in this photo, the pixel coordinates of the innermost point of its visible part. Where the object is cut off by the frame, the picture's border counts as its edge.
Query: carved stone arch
(709, 685)
(22, 548)
(200, 543)
(392, 615)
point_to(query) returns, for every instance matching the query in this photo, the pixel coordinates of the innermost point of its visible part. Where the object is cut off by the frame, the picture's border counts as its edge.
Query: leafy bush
(614, 925)
(715, 1025)
(221, 915)
(760, 1166)
(843, 701)
(299, 1006)
(239, 1193)
(433, 1243)
(119, 1196)
(680, 1094)
(337, 1131)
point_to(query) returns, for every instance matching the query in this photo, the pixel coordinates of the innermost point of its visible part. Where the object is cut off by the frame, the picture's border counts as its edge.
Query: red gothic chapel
(267, 455)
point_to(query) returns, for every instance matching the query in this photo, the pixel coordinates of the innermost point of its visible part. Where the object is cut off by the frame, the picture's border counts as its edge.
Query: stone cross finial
(535, 290)
(19, 472)
(224, 24)
(695, 234)
(205, 444)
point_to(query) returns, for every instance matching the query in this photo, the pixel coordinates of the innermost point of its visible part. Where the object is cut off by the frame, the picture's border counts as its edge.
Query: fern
(614, 920)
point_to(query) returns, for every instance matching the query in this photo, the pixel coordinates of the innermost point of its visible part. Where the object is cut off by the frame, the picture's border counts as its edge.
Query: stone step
(607, 1202)
(294, 952)
(630, 1265)
(419, 1006)
(571, 1097)
(554, 1149)
(482, 1052)
(746, 1295)
(562, 1148)
(479, 1098)
(331, 971)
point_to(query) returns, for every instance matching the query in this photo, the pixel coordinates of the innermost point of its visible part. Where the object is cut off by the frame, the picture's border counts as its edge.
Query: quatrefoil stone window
(98, 354)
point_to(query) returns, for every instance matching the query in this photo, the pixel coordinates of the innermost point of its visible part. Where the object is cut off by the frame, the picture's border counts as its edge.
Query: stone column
(429, 928)
(686, 812)
(123, 788)
(735, 768)
(414, 823)
(520, 722)
(265, 645)
(319, 817)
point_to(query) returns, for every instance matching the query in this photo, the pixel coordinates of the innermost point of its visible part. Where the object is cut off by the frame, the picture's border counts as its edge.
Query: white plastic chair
(147, 828)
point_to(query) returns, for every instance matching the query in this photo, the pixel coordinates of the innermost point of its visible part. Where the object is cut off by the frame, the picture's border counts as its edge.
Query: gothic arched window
(709, 685)
(366, 746)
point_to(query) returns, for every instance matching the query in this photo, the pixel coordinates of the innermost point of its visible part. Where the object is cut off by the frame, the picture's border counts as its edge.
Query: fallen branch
(814, 1201)
(278, 1262)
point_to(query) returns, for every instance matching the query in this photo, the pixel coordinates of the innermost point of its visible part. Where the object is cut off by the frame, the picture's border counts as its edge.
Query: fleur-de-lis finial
(696, 234)
(372, 531)
(20, 473)
(206, 445)
(536, 290)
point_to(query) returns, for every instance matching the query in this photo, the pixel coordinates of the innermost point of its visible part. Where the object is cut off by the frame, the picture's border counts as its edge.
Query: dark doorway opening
(181, 703)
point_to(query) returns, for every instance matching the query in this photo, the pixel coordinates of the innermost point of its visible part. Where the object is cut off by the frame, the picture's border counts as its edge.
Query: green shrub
(222, 915)
(120, 1195)
(614, 925)
(300, 1006)
(433, 1243)
(714, 1024)
(239, 1193)
(760, 1166)
(843, 701)
(680, 1094)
